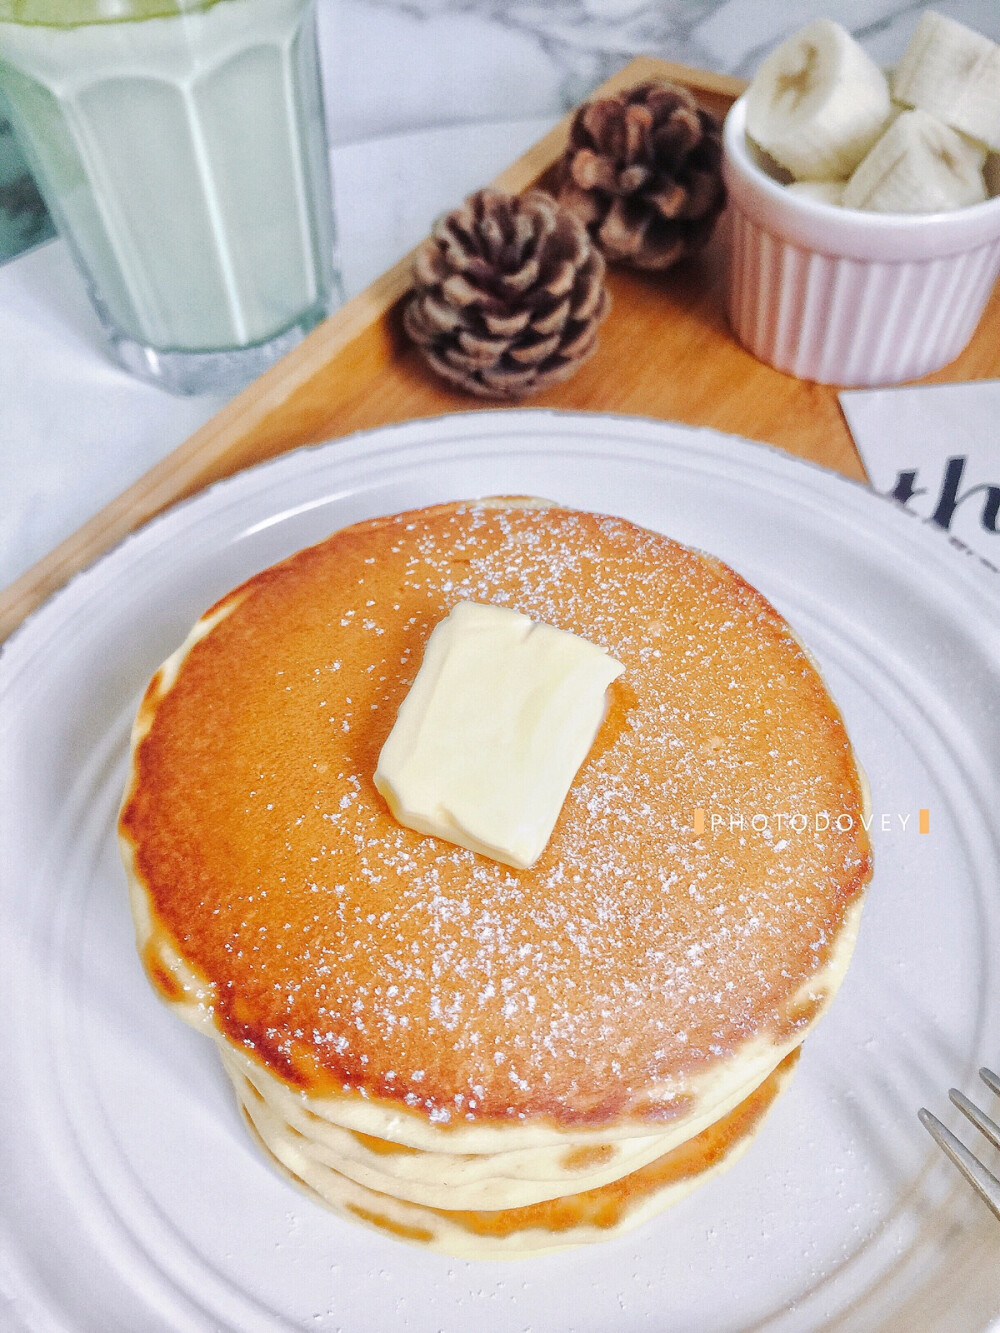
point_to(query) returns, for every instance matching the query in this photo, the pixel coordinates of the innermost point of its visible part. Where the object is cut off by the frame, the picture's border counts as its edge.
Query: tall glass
(181, 149)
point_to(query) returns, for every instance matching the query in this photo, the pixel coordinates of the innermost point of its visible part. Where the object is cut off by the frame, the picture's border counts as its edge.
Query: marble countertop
(446, 61)
(467, 83)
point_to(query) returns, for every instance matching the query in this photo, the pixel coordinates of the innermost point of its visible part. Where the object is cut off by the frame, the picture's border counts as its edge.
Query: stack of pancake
(486, 1060)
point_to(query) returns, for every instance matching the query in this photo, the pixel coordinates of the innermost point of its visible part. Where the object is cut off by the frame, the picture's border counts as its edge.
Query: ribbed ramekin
(845, 297)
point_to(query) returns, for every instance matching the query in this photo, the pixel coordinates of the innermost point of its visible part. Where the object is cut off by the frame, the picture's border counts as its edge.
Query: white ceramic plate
(132, 1199)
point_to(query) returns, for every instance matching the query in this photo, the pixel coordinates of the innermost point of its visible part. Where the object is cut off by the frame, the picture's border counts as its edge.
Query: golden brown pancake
(573, 1219)
(639, 981)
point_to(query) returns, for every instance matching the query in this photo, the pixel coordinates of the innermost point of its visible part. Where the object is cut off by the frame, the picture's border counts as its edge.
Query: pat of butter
(487, 742)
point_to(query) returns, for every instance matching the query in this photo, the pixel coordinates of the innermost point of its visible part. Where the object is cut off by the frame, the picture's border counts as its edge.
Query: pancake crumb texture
(578, 1218)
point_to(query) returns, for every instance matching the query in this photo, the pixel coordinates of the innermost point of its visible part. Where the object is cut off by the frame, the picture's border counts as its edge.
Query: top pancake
(352, 955)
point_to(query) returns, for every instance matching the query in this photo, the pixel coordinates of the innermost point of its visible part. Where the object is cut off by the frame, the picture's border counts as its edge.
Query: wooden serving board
(665, 351)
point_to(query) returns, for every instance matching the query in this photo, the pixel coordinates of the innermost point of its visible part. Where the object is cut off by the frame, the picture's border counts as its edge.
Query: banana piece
(920, 165)
(818, 103)
(954, 73)
(823, 192)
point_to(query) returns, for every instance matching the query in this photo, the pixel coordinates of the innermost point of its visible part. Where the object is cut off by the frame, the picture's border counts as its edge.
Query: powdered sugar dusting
(347, 948)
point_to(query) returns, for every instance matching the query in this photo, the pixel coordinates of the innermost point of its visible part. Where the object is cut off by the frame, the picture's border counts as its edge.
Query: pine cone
(508, 294)
(643, 172)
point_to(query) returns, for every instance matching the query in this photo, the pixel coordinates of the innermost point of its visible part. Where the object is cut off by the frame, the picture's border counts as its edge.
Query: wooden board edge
(183, 471)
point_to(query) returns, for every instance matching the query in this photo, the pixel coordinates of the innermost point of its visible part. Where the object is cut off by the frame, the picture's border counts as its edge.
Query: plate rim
(961, 564)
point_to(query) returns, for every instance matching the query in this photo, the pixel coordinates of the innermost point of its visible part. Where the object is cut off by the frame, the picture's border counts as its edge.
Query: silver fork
(981, 1180)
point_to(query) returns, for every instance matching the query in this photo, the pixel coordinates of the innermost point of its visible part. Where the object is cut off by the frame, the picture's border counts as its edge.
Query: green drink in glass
(181, 150)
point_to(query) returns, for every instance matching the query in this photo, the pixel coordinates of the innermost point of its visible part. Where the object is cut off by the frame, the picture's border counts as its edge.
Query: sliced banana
(818, 103)
(954, 73)
(824, 192)
(920, 165)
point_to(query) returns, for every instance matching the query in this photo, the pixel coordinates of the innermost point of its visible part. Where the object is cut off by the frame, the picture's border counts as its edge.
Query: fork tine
(991, 1080)
(979, 1118)
(983, 1181)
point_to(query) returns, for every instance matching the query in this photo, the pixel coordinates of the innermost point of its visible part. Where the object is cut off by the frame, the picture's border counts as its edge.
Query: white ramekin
(845, 297)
